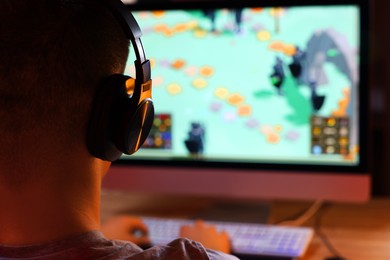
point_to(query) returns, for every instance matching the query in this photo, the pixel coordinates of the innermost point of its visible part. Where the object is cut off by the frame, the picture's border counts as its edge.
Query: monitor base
(239, 211)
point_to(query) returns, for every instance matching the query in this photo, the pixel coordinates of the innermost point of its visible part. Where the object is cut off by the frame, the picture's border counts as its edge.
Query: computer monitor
(254, 100)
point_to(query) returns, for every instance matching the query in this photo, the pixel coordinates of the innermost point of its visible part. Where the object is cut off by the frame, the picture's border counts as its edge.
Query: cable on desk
(303, 216)
(322, 236)
(317, 209)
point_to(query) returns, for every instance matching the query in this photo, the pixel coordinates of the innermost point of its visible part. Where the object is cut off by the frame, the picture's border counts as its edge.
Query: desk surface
(357, 231)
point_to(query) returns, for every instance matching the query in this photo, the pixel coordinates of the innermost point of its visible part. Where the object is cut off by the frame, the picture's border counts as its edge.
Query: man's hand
(207, 235)
(128, 228)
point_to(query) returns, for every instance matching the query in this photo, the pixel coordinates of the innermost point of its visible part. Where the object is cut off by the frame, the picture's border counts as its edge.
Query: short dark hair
(53, 54)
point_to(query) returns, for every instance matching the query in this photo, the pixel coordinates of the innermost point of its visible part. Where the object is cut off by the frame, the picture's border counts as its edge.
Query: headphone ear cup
(135, 126)
(119, 123)
(104, 117)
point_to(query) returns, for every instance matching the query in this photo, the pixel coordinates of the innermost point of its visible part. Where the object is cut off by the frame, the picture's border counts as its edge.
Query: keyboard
(246, 239)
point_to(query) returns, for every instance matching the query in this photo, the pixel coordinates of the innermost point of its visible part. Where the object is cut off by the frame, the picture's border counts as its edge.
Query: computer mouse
(136, 232)
(140, 234)
(335, 258)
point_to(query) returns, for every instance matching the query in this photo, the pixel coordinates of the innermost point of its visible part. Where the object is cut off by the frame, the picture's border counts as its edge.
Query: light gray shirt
(93, 245)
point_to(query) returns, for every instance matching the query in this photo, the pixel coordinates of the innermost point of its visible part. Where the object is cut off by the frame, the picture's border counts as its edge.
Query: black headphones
(120, 122)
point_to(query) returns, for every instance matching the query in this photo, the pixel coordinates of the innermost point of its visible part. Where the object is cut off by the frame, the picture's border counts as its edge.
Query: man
(53, 54)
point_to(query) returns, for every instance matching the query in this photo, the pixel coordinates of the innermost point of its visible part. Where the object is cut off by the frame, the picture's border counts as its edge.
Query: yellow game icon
(235, 99)
(221, 92)
(161, 28)
(158, 13)
(174, 89)
(178, 64)
(278, 128)
(273, 138)
(199, 83)
(206, 71)
(289, 49)
(264, 35)
(200, 33)
(244, 110)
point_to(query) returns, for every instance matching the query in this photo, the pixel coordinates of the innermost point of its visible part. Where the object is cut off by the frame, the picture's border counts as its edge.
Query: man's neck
(65, 204)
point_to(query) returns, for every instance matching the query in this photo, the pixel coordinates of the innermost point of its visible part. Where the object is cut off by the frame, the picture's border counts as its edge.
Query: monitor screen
(241, 88)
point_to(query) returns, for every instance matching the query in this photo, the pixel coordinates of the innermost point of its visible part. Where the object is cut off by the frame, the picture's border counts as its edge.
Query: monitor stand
(236, 211)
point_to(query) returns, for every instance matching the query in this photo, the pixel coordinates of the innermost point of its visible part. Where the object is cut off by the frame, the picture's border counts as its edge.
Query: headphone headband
(133, 32)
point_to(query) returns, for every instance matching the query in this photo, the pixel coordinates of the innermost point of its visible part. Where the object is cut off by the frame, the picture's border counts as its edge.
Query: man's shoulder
(94, 245)
(181, 248)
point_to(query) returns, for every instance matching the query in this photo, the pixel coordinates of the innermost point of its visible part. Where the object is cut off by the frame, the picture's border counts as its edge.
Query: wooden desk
(357, 231)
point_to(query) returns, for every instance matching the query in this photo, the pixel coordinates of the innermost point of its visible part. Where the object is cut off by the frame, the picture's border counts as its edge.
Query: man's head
(53, 54)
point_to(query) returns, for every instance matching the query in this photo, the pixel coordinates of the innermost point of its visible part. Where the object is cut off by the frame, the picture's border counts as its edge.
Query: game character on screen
(297, 63)
(62, 93)
(278, 75)
(212, 15)
(195, 141)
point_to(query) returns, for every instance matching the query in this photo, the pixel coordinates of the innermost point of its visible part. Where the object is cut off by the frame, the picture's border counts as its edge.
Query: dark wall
(379, 89)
